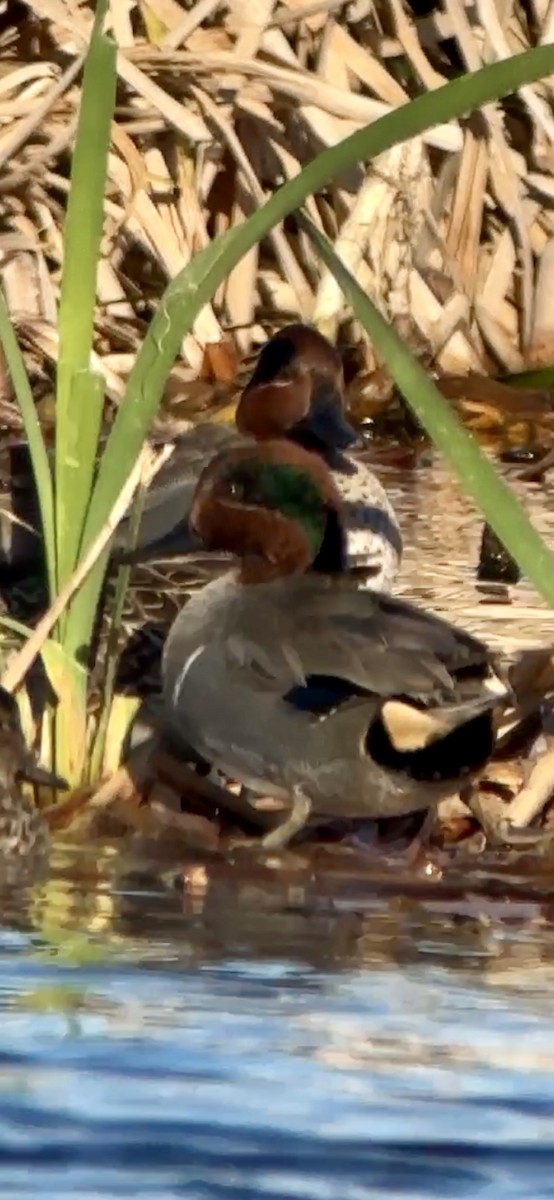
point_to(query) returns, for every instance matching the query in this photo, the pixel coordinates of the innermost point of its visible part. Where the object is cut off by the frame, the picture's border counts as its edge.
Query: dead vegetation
(222, 100)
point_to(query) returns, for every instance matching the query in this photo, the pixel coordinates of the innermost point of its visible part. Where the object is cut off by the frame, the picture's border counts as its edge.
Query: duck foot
(500, 831)
(416, 852)
(279, 838)
(211, 788)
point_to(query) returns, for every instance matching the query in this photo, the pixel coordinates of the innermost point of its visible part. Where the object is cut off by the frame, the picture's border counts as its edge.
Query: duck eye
(236, 490)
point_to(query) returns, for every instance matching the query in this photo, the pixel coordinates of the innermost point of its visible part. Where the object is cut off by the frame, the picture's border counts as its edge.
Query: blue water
(263, 1039)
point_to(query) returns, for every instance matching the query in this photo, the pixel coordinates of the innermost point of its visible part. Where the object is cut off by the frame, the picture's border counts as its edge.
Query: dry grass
(219, 102)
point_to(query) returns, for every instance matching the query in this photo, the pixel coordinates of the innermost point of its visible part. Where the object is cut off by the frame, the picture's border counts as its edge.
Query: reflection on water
(441, 549)
(242, 1035)
(320, 1032)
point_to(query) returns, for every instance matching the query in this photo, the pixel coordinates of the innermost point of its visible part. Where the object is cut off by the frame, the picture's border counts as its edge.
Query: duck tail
(411, 729)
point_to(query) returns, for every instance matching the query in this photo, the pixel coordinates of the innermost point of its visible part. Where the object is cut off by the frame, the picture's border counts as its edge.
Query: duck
(24, 834)
(288, 678)
(295, 392)
(297, 389)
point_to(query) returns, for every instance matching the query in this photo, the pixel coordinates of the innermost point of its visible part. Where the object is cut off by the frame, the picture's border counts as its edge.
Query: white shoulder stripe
(184, 672)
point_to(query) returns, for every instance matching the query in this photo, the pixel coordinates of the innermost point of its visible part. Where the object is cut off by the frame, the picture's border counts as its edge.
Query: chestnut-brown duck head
(275, 506)
(297, 391)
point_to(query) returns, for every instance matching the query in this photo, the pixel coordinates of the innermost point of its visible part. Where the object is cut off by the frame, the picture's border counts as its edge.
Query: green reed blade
(79, 398)
(197, 282)
(533, 377)
(476, 474)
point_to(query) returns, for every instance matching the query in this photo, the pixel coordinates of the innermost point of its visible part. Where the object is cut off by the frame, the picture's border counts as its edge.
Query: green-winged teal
(294, 682)
(296, 392)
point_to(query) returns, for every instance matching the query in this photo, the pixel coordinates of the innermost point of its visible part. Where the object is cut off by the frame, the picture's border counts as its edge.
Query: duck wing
(370, 643)
(163, 528)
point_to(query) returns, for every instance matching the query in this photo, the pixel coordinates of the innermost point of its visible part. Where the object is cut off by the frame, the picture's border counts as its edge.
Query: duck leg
(499, 830)
(420, 843)
(280, 837)
(207, 787)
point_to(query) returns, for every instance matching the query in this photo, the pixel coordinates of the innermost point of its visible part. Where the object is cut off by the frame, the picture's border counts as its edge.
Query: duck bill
(327, 424)
(31, 772)
(178, 543)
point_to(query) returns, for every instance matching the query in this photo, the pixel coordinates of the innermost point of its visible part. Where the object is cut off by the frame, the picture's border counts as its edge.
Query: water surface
(220, 1034)
(321, 1032)
(442, 533)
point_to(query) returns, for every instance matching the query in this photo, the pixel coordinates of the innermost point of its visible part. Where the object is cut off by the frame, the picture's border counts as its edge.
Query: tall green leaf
(80, 390)
(476, 474)
(79, 399)
(534, 377)
(197, 282)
